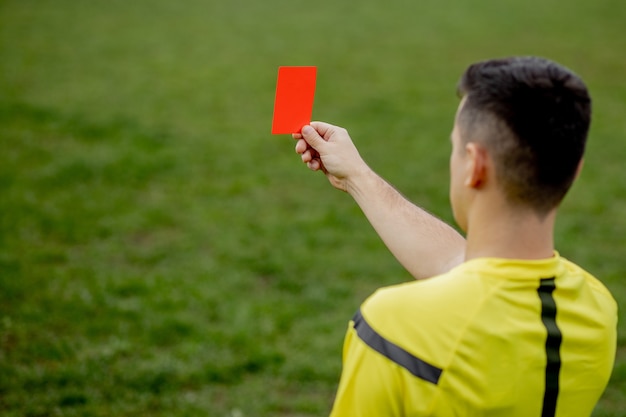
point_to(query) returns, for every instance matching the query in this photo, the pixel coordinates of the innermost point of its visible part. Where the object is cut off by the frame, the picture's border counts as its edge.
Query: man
(504, 326)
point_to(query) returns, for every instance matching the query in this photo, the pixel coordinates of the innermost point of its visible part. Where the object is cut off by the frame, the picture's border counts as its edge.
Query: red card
(293, 106)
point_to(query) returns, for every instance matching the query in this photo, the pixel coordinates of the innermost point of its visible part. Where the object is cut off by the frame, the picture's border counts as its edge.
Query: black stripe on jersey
(553, 346)
(393, 352)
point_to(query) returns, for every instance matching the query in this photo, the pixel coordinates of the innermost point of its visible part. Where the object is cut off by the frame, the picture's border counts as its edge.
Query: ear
(476, 168)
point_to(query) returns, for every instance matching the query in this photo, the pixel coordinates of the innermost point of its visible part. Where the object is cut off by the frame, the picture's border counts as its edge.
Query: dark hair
(533, 115)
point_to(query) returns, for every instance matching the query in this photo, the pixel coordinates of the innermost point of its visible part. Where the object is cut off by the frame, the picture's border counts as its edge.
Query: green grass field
(162, 254)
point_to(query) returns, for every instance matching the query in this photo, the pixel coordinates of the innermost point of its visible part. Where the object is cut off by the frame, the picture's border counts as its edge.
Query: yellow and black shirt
(492, 337)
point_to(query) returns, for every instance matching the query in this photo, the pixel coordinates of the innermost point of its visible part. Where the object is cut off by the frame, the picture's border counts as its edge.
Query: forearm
(423, 244)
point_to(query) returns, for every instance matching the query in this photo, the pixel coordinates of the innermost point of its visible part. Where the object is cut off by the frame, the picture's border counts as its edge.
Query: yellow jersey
(492, 337)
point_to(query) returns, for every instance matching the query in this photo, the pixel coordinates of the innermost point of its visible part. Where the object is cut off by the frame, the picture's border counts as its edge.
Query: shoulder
(426, 316)
(460, 285)
(595, 285)
(427, 307)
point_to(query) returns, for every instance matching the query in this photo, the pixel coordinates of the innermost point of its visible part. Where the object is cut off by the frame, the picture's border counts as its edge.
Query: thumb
(312, 137)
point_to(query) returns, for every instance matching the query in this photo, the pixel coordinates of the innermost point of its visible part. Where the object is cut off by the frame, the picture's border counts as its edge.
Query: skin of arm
(424, 245)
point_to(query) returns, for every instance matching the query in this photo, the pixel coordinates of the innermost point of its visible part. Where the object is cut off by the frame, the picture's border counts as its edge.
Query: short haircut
(533, 116)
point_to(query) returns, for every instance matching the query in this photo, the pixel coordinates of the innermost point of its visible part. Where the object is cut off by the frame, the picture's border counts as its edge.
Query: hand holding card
(293, 106)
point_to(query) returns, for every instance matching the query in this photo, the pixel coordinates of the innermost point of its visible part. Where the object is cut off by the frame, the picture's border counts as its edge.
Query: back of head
(533, 116)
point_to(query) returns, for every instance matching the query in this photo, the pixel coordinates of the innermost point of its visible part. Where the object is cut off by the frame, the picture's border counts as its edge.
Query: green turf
(162, 254)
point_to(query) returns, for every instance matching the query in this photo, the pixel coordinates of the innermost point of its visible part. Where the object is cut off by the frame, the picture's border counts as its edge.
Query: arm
(422, 243)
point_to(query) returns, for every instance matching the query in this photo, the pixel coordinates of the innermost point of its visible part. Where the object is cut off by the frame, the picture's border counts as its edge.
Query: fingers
(324, 129)
(305, 151)
(301, 146)
(321, 127)
(312, 137)
(309, 155)
(312, 142)
(314, 165)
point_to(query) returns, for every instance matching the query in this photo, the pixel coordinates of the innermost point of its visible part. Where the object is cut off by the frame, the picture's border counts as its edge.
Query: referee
(498, 323)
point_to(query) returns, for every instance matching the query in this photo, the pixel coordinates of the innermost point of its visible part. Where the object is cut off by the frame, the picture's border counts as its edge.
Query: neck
(512, 234)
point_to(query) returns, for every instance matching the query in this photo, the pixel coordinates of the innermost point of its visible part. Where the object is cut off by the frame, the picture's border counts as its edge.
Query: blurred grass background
(162, 254)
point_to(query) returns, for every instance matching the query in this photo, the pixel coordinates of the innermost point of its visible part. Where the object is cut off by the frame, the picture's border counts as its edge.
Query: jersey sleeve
(369, 386)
